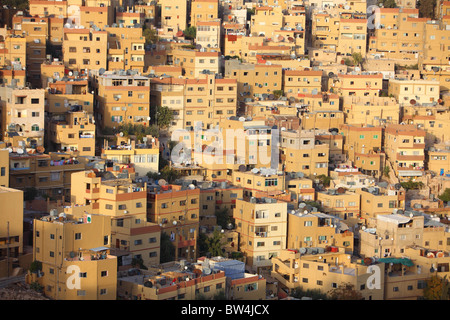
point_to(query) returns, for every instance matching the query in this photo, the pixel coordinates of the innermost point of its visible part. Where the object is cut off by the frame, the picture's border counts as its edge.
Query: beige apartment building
(118, 197)
(122, 98)
(46, 8)
(258, 181)
(174, 15)
(85, 49)
(371, 110)
(352, 35)
(363, 146)
(35, 30)
(208, 100)
(318, 102)
(49, 173)
(125, 48)
(296, 82)
(143, 155)
(176, 211)
(67, 94)
(317, 230)
(208, 34)
(4, 167)
(404, 147)
(13, 54)
(255, 80)
(433, 118)
(324, 271)
(410, 92)
(203, 11)
(438, 160)
(341, 203)
(434, 62)
(262, 225)
(395, 233)
(76, 133)
(22, 115)
(98, 16)
(130, 18)
(302, 152)
(75, 257)
(360, 85)
(11, 226)
(325, 31)
(377, 201)
(172, 282)
(195, 64)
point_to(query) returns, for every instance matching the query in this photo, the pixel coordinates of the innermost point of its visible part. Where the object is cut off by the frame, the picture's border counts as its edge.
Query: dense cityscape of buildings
(225, 149)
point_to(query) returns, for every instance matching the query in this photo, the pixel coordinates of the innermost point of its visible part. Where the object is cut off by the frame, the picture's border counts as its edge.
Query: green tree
(35, 266)
(345, 291)
(314, 294)
(437, 288)
(426, 8)
(445, 196)
(169, 174)
(30, 194)
(190, 33)
(357, 58)
(324, 179)
(387, 3)
(412, 185)
(138, 263)
(220, 295)
(150, 35)
(164, 116)
(36, 286)
(223, 218)
(278, 94)
(18, 4)
(213, 243)
(386, 171)
(167, 249)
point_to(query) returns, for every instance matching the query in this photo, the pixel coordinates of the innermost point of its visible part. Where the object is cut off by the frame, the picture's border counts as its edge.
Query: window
(78, 236)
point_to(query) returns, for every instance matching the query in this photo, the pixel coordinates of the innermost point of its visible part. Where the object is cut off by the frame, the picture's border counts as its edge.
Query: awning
(99, 249)
(403, 261)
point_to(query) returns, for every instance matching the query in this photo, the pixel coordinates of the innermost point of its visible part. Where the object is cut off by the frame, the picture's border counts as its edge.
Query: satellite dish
(191, 186)
(206, 271)
(20, 151)
(121, 134)
(101, 71)
(229, 226)
(255, 170)
(70, 73)
(162, 182)
(412, 101)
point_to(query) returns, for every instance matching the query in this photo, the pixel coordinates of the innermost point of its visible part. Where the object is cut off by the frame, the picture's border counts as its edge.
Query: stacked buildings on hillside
(307, 140)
